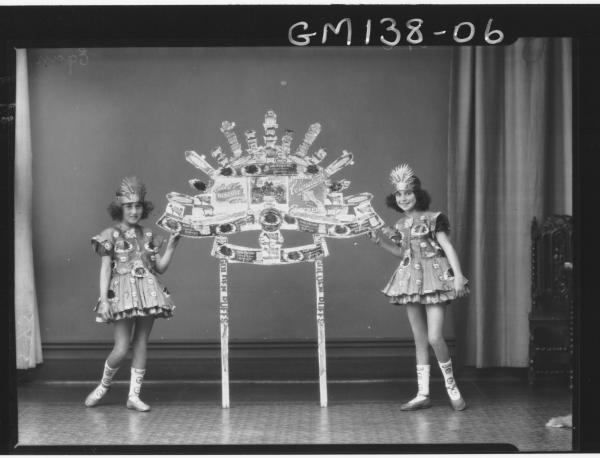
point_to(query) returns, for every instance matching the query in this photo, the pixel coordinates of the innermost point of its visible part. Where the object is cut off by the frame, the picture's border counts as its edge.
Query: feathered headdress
(131, 190)
(403, 178)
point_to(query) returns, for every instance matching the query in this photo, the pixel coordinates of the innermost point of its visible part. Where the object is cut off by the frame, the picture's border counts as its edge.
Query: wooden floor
(264, 415)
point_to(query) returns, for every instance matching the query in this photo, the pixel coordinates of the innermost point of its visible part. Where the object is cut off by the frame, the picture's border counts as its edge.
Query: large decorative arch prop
(269, 188)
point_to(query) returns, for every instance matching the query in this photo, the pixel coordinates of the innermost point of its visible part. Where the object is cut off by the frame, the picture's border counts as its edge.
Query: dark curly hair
(115, 210)
(422, 196)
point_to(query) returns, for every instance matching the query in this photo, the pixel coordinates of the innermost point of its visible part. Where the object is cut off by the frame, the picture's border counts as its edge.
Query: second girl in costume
(131, 296)
(427, 279)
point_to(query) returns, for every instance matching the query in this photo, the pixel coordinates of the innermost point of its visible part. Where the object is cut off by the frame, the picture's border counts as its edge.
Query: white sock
(107, 375)
(106, 381)
(135, 385)
(98, 393)
(451, 387)
(423, 371)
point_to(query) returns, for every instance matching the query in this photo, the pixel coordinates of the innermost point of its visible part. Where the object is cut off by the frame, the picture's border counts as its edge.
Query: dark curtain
(510, 159)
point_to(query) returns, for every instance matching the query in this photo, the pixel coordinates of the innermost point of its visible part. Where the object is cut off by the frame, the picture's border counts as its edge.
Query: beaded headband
(131, 190)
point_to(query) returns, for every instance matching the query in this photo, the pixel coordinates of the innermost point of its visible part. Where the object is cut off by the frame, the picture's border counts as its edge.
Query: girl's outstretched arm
(383, 242)
(162, 262)
(459, 280)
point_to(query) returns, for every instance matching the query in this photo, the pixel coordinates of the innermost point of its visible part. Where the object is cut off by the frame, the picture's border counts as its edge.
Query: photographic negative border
(114, 26)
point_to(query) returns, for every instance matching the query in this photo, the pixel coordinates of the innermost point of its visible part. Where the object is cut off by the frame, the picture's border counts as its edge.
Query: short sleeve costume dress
(134, 289)
(424, 275)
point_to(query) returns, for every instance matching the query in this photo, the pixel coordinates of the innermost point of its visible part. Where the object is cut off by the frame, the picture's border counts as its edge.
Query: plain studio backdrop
(98, 115)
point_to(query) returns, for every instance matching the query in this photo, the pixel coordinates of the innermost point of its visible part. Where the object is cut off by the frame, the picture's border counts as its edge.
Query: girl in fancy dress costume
(131, 296)
(427, 279)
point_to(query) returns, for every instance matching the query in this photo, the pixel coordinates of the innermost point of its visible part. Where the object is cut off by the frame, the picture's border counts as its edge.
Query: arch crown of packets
(269, 188)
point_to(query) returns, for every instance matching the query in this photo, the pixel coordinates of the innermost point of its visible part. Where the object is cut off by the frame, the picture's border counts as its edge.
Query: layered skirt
(422, 281)
(131, 296)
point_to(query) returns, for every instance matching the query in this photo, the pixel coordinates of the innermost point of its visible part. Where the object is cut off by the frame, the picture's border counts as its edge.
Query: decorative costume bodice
(424, 275)
(129, 253)
(416, 235)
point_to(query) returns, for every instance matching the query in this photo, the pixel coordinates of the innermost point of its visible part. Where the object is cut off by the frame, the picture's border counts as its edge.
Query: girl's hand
(388, 231)
(174, 238)
(374, 237)
(460, 284)
(104, 310)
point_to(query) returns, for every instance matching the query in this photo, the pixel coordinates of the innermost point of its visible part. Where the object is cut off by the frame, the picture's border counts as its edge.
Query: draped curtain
(510, 159)
(28, 341)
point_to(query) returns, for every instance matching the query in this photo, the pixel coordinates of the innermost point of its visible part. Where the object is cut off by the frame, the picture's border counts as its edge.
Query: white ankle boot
(133, 399)
(421, 400)
(457, 401)
(135, 403)
(98, 393)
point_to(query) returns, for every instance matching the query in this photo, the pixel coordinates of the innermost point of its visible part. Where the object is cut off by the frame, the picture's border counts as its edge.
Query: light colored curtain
(510, 159)
(28, 341)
